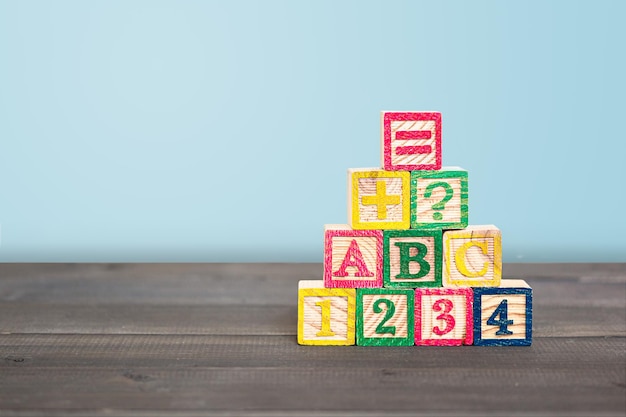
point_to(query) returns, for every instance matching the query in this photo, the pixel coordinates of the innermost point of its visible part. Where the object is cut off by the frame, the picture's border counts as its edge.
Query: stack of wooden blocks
(407, 269)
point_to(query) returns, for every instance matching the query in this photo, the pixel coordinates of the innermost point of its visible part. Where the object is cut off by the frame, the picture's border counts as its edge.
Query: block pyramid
(408, 269)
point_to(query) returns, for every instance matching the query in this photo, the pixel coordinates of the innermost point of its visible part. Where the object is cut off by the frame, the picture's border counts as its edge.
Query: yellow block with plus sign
(379, 199)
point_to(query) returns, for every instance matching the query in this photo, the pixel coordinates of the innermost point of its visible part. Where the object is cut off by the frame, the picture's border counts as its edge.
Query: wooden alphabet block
(410, 140)
(503, 316)
(378, 199)
(439, 199)
(326, 316)
(384, 317)
(352, 258)
(412, 258)
(443, 316)
(472, 257)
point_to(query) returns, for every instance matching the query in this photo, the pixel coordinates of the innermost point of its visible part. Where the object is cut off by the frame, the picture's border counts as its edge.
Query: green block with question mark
(439, 199)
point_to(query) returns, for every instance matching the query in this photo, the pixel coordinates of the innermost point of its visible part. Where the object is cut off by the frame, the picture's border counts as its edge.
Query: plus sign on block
(411, 141)
(378, 199)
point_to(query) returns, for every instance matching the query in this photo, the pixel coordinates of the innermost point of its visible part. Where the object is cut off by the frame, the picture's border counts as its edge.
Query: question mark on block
(440, 206)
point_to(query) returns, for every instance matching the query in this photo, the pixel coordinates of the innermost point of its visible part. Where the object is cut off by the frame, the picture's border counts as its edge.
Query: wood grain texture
(443, 316)
(385, 317)
(511, 302)
(352, 258)
(472, 257)
(326, 316)
(412, 258)
(410, 141)
(439, 199)
(378, 199)
(220, 339)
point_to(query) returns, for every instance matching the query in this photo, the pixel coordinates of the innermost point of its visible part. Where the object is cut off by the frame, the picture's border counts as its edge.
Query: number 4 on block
(443, 316)
(326, 316)
(503, 315)
(384, 317)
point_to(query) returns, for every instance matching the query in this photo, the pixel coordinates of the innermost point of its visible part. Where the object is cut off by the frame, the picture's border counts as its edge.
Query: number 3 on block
(443, 316)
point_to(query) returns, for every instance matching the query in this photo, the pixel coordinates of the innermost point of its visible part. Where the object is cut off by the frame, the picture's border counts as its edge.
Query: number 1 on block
(443, 316)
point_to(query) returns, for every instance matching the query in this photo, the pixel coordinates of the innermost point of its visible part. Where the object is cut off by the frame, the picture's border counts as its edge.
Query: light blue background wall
(222, 131)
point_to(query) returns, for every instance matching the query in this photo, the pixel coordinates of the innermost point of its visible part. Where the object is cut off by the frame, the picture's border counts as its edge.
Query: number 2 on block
(390, 310)
(446, 306)
(502, 310)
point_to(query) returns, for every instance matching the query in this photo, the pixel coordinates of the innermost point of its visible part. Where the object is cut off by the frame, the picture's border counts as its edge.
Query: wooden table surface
(220, 339)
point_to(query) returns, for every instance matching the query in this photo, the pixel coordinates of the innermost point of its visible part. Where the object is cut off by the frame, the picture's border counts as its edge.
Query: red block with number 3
(444, 316)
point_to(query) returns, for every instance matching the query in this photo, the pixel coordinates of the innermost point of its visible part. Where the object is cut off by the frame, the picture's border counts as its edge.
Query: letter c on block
(461, 255)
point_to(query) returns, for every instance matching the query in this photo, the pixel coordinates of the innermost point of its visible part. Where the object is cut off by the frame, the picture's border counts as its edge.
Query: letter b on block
(412, 258)
(352, 258)
(472, 257)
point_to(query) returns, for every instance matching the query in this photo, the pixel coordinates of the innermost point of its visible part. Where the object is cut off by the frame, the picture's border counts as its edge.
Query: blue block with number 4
(503, 316)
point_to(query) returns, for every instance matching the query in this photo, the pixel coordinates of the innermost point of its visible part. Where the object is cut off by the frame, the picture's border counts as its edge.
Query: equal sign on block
(411, 141)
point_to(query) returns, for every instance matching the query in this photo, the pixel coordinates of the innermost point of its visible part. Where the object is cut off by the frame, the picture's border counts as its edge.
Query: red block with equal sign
(411, 141)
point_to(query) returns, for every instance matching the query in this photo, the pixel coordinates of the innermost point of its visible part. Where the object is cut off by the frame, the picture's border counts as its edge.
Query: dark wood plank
(238, 373)
(219, 339)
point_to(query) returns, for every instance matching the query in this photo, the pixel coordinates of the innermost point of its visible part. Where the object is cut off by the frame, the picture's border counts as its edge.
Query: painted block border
(479, 292)
(391, 116)
(361, 340)
(469, 321)
(328, 292)
(353, 201)
(463, 175)
(328, 259)
(436, 234)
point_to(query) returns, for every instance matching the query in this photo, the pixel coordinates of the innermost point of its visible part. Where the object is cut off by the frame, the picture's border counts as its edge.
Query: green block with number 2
(385, 317)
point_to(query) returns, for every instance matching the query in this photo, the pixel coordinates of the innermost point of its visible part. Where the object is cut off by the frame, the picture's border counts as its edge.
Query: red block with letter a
(352, 258)
(410, 141)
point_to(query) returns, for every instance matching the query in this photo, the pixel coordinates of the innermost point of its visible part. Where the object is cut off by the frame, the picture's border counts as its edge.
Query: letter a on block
(379, 199)
(352, 258)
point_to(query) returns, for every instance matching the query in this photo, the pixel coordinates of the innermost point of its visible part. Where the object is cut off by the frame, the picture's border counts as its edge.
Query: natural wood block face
(472, 257)
(326, 316)
(439, 199)
(352, 258)
(384, 317)
(378, 199)
(410, 141)
(503, 315)
(443, 316)
(412, 258)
